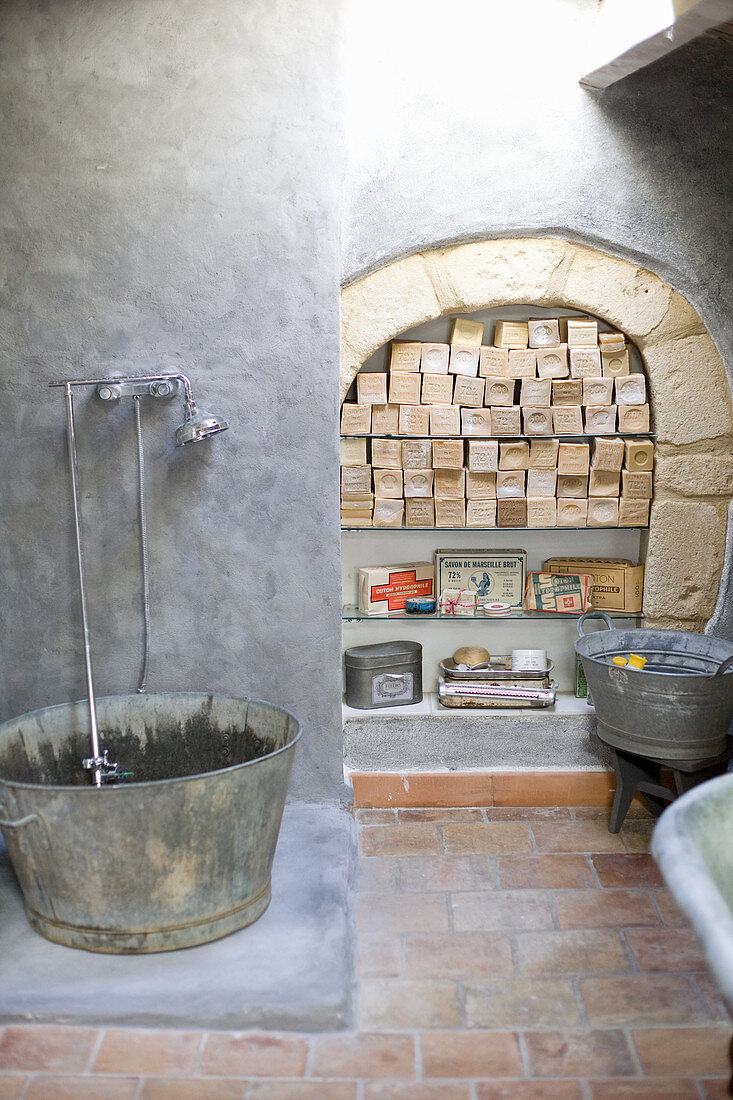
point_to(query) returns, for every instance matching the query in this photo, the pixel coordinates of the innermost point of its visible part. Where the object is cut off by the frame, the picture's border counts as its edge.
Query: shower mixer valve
(114, 390)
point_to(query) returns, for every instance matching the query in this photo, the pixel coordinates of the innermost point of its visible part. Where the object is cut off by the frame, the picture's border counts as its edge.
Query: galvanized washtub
(181, 853)
(678, 707)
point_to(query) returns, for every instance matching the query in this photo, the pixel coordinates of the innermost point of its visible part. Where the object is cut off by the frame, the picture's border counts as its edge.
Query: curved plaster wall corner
(689, 390)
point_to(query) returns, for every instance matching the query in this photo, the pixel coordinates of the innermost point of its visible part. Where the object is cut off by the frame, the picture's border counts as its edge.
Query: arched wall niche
(689, 391)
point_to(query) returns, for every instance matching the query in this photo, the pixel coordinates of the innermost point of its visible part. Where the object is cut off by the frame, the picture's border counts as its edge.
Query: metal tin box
(387, 674)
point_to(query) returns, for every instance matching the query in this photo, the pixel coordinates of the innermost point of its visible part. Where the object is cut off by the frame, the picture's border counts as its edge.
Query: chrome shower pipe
(130, 378)
(73, 466)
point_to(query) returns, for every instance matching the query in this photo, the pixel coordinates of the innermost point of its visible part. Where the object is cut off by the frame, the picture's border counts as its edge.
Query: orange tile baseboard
(522, 788)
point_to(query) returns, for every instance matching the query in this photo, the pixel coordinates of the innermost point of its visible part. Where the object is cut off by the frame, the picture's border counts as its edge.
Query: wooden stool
(643, 774)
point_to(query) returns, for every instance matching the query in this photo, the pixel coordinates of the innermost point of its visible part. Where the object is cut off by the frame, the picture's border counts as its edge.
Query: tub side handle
(6, 823)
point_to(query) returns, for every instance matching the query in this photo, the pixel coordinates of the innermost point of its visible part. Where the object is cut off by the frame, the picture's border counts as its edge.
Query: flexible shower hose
(143, 683)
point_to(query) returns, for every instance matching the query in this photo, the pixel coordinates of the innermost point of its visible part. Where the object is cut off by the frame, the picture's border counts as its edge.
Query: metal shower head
(197, 426)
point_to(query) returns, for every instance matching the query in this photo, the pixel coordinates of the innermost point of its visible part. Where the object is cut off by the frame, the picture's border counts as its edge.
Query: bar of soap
(414, 420)
(510, 484)
(567, 392)
(417, 454)
(572, 485)
(602, 512)
(514, 456)
(537, 421)
(469, 333)
(356, 479)
(434, 358)
(385, 419)
(574, 458)
(541, 483)
(630, 389)
(582, 332)
(612, 341)
(585, 362)
(639, 456)
(633, 513)
(536, 391)
(633, 418)
(511, 334)
(522, 364)
(543, 453)
(388, 513)
(404, 388)
(499, 391)
(483, 455)
(357, 497)
(418, 483)
(571, 513)
(371, 388)
(553, 362)
(476, 422)
(388, 484)
(353, 452)
(481, 513)
(506, 420)
(480, 486)
(603, 483)
(608, 454)
(511, 512)
(598, 391)
(437, 389)
(448, 454)
(615, 364)
(541, 512)
(637, 484)
(567, 419)
(445, 420)
(356, 515)
(387, 454)
(419, 512)
(450, 484)
(544, 333)
(493, 362)
(468, 391)
(463, 360)
(450, 513)
(405, 355)
(600, 419)
(355, 418)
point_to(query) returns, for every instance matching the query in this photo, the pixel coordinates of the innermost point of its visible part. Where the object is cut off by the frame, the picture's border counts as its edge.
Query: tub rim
(152, 782)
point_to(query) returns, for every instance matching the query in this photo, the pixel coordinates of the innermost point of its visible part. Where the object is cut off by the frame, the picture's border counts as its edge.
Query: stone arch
(689, 391)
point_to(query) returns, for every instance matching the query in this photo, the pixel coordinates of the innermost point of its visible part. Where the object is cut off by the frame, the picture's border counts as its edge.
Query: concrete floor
(290, 969)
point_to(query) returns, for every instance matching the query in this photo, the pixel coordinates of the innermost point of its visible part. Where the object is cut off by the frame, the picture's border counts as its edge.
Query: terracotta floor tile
(378, 956)
(50, 1050)
(420, 1090)
(458, 955)
(376, 817)
(527, 813)
(594, 951)
(637, 835)
(636, 810)
(377, 875)
(496, 836)
(641, 1000)
(576, 836)
(82, 1088)
(522, 1003)
(488, 911)
(404, 1004)
(543, 872)
(716, 1089)
(398, 840)
(627, 870)
(301, 1090)
(639, 1089)
(710, 991)
(470, 1054)
(528, 1090)
(12, 1087)
(669, 910)
(441, 814)
(670, 949)
(177, 1088)
(363, 1055)
(579, 1054)
(126, 1050)
(604, 909)
(446, 873)
(253, 1054)
(394, 913)
(684, 1051)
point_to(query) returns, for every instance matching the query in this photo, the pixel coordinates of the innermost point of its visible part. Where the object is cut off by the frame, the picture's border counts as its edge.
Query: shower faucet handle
(132, 387)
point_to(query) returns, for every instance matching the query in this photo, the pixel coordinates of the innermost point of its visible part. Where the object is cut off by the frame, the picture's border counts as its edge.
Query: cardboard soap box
(618, 585)
(384, 588)
(489, 574)
(562, 593)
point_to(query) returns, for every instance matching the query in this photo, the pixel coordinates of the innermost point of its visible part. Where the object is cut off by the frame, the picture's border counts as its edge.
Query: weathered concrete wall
(171, 176)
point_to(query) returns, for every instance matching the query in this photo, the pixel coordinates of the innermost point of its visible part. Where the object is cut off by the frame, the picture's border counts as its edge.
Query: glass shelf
(582, 437)
(350, 613)
(494, 530)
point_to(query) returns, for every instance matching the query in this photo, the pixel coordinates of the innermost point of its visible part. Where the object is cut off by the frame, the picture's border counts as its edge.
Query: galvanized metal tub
(676, 708)
(180, 854)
